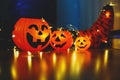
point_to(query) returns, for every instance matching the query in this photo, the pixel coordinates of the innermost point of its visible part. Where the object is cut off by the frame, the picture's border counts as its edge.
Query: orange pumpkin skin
(61, 40)
(31, 34)
(82, 43)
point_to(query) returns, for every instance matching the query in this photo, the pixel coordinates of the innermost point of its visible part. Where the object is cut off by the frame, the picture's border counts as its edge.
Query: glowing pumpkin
(31, 34)
(82, 43)
(61, 40)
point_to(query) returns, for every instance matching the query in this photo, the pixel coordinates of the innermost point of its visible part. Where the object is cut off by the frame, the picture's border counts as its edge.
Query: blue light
(18, 4)
(80, 13)
(23, 7)
(68, 12)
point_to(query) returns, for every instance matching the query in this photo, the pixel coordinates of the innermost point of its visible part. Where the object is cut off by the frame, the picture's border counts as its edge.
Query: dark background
(12, 10)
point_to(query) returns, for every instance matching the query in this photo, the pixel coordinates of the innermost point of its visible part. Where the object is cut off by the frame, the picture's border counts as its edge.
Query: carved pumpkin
(31, 34)
(61, 40)
(82, 43)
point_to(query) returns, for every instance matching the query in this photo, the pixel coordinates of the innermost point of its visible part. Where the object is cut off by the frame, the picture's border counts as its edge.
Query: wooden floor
(93, 64)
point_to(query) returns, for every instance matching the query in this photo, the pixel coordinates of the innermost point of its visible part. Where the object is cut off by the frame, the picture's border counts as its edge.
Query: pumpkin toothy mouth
(58, 45)
(38, 42)
(82, 46)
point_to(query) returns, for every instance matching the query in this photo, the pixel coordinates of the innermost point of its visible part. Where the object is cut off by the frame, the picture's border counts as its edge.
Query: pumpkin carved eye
(84, 40)
(44, 27)
(78, 41)
(62, 35)
(33, 26)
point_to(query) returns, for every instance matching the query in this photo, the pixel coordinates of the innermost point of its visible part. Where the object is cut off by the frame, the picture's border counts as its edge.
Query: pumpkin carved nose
(40, 33)
(81, 43)
(57, 39)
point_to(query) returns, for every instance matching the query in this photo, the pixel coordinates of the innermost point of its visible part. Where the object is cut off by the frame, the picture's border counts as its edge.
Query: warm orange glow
(13, 72)
(29, 53)
(43, 77)
(28, 31)
(98, 30)
(117, 14)
(54, 59)
(76, 63)
(82, 43)
(79, 60)
(43, 20)
(61, 40)
(41, 55)
(13, 36)
(116, 43)
(106, 57)
(29, 60)
(16, 53)
(44, 68)
(74, 56)
(106, 41)
(41, 64)
(111, 4)
(107, 14)
(97, 65)
(61, 69)
(68, 50)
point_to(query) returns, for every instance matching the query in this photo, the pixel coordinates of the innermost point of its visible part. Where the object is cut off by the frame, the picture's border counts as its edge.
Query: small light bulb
(13, 36)
(107, 14)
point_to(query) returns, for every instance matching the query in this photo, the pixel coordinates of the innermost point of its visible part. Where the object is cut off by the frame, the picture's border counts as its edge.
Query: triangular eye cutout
(62, 35)
(84, 40)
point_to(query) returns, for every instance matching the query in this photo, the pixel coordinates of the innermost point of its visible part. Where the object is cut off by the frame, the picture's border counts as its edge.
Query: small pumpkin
(82, 43)
(31, 34)
(61, 40)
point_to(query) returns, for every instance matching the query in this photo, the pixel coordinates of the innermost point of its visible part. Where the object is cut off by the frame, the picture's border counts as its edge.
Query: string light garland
(101, 28)
(61, 39)
(41, 34)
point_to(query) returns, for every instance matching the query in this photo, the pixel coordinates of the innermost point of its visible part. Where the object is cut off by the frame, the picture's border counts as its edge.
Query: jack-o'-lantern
(31, 34)
(82, 43)
(61, 40)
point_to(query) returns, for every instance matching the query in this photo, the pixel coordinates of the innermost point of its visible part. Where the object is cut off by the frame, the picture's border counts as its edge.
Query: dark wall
(12, 10)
